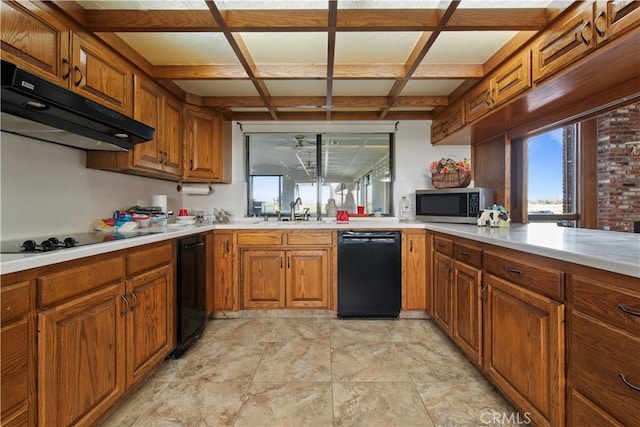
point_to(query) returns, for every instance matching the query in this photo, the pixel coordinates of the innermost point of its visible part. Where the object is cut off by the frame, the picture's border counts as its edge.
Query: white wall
(45, 188)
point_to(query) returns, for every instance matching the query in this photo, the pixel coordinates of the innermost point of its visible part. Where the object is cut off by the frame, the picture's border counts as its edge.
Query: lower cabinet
(292, 269)
(415, 270)
(221, 294)
(103, 324)
(277, 279)
(524, 349)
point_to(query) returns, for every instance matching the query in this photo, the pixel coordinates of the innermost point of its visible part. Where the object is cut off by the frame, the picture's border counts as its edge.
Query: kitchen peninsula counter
(606, 250)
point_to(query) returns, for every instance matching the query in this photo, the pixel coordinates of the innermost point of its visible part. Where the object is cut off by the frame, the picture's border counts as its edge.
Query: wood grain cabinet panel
(466, 313)
(512, 78)
(224, 292)
(415, 270)
(564, 43)
(613, 18)
(441, 305)
(449, 121)
(307, 278)
(524, 349)
(208, 146)
(35, 40)
(81, 357)
(263, 279)
(17, 348)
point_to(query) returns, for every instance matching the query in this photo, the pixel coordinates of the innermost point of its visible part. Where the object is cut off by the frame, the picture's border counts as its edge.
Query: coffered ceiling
(318, 59)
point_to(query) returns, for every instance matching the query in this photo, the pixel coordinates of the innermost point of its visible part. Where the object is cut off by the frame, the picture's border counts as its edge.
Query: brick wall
(618, 169)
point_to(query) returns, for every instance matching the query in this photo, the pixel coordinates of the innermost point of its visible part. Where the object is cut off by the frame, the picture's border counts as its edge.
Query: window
(352, 169)
(552, 176)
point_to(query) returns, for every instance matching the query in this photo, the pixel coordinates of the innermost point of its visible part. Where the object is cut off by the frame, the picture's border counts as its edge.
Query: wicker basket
(451, 180)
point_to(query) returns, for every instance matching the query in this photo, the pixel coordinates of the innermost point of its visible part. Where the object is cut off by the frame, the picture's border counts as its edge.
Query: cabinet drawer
(606, 302)
(146, 258)
(308, 238)
(56, 287)
(599, 357)
(582, 412)
(259, 238)
(543, 280)
(15, 301)
(444, 246)
(467, 254)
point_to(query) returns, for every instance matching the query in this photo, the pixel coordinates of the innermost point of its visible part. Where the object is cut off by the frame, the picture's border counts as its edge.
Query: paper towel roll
(194, 189)
(160, 200)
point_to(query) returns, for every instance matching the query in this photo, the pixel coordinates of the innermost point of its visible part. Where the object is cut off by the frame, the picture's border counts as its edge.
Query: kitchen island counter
(607, 250)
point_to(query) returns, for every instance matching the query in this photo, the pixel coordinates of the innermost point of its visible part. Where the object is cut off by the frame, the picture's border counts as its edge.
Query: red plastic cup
(360, 209)
(183, 212)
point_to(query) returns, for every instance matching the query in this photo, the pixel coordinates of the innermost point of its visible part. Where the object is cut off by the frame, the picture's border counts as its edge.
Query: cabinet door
(150, 324)
(466, 311)
(172, 150)
(613, 18)
(223, 293)
(414, 271)
(480, 101)
(203, 160)
(17, 353)
(442, 272)
(263, 279)
(307, 281)
(35, 40)
(147, 108)
(564, 44)
(524, 349)
(81, 357)
(100, 75)
(512, 78)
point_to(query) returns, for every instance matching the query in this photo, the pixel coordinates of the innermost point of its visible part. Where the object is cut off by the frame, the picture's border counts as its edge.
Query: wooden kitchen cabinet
(564, 43)
(442, 276)
(523, 334)
(17, 347)
(104, 334)
(223, 294)
(466, 313)
(603, 348)
(614, 17)
(286, 269)
(415, 270)
(34, 39)
(208, 150)
(449, 121)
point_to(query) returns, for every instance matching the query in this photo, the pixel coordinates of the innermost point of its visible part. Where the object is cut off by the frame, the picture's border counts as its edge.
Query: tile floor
(316, 372)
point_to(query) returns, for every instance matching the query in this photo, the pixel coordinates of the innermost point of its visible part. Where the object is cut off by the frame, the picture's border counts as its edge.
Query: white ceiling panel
(218, 87)
(361, 87)
(287, 48)
(178, 48)
(296, 87)
(430, 87)
(466, 47)
(375, 47)
(143, 4)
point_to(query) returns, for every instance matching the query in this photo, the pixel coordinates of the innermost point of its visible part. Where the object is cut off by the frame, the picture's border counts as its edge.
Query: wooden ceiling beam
(331, 54)
(297, 20)
(320, 101)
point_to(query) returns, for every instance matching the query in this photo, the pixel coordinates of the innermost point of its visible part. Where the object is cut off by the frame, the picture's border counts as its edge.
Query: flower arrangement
(449, 165)
(450, 173)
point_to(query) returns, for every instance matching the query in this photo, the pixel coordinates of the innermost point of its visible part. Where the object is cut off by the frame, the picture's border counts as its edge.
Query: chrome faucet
(293, 208)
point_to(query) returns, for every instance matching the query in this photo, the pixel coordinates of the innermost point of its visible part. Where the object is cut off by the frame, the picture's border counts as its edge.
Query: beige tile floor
(316, 372)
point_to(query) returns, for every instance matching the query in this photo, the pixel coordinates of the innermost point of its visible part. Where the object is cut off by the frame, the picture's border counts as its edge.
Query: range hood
(36, 108)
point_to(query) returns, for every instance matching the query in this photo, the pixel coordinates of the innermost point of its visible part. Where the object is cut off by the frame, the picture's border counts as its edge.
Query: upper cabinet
(612, 18)
(38, 41)
(208, 146)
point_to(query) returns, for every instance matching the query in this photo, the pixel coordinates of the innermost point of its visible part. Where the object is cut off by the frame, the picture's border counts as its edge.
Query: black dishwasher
(369, 273)
(191, 292)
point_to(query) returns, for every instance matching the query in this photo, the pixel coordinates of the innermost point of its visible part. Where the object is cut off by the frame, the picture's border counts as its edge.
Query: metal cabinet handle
(135, 300)
(626, 381)
(624, 309)
(410, 245)
(191, 164)
(465, 254)
(600, 16)
(483, 296)
(281, 263)
(79, 72)
(227, 246)
(288, 262)
(66, 74)
(441, 245)
(512, 270)
(585, 40)
(126, 305)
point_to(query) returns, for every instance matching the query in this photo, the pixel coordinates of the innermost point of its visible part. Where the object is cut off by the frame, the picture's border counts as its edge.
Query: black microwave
(456, 205)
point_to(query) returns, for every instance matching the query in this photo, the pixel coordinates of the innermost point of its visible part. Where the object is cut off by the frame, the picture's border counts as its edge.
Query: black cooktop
(66, 241)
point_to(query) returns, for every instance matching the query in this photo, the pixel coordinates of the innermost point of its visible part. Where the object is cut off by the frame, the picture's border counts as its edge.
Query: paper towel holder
(199, 189)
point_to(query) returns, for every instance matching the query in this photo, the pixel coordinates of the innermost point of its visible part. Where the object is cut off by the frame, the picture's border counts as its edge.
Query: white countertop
(607, 250)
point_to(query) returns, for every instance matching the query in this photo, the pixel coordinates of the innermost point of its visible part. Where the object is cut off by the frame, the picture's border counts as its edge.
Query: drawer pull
(126, 305)
(512, 270)
(441, 245)
(626, 310)
(465, 254)
(626, 381)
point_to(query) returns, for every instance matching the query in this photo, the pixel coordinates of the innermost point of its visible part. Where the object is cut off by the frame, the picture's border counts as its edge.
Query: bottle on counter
(405, 209)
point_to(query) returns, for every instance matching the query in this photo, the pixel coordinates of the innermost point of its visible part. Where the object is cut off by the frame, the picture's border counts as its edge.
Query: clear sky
(545, 166)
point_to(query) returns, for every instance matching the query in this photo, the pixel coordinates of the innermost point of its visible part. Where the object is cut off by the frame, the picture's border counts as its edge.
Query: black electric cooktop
(65, 241)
